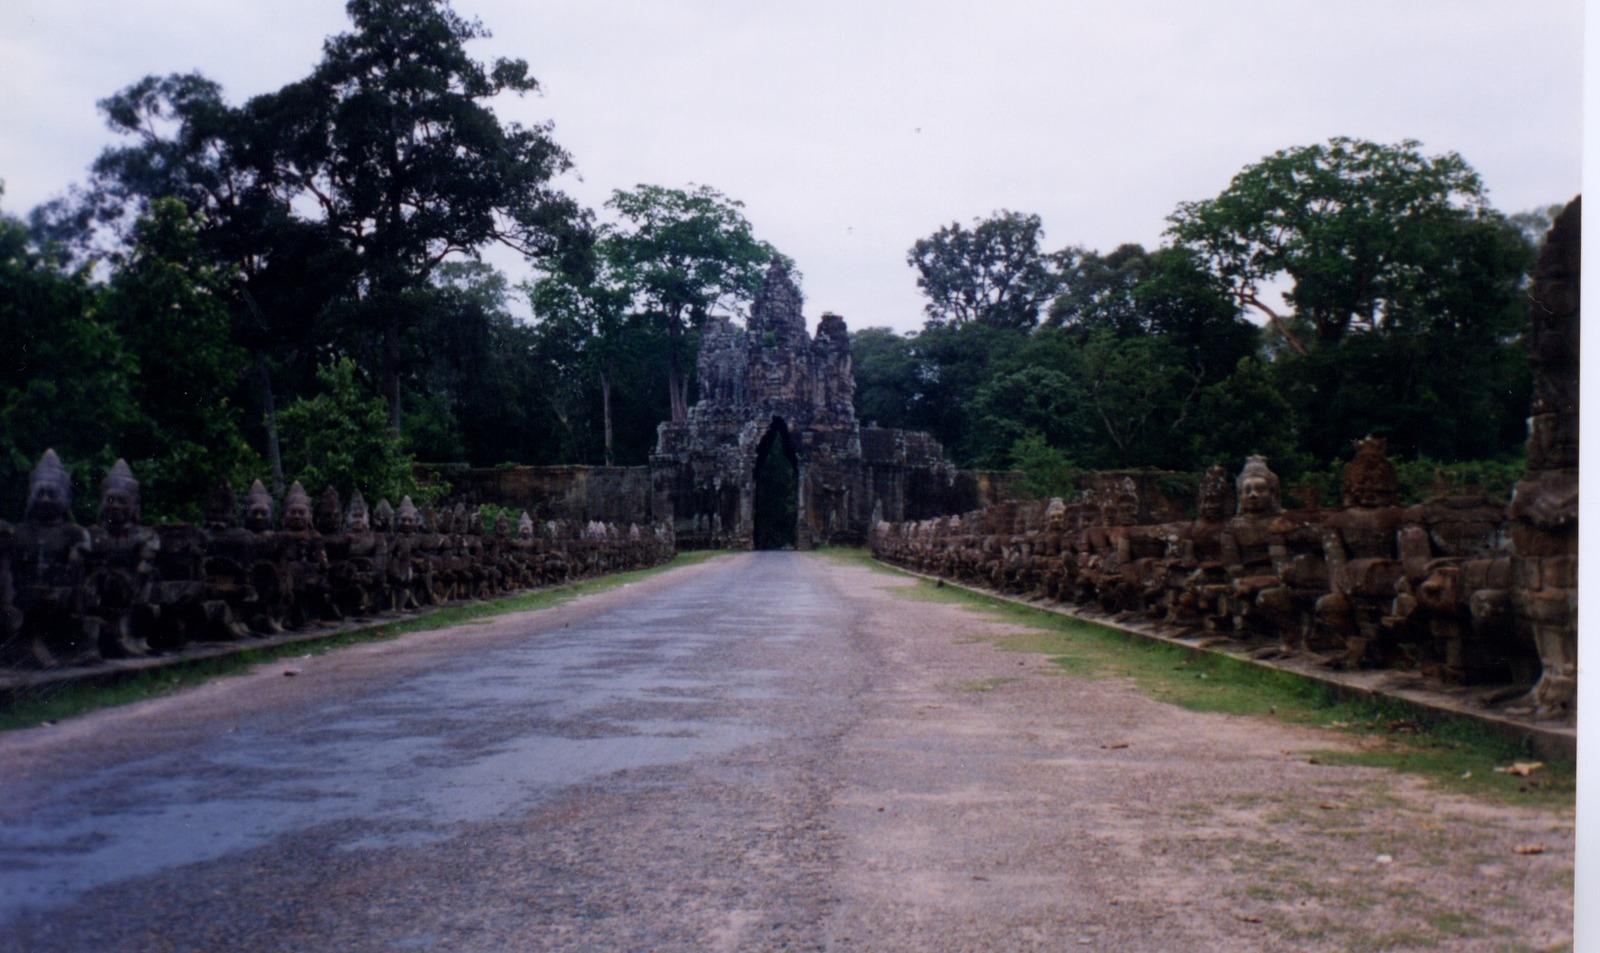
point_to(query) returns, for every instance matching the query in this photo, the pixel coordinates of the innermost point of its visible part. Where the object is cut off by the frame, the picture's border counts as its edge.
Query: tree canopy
(680, 254)
(1356, 226)
(994, 273)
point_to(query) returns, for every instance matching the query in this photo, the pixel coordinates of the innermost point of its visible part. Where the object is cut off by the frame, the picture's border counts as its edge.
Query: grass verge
(68, 700)
(1454, 753)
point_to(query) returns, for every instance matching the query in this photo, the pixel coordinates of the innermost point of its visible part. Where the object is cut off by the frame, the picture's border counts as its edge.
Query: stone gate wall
(576, 493)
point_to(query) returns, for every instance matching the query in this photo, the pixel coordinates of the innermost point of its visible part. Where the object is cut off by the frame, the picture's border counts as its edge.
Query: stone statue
(49, 556)
(304, 553)
(359, 587)
(123, 578)
(1246, 545)
(1360, 543)
(1198, 584)
(1455, 594)
(268, 576)
(1544, 508)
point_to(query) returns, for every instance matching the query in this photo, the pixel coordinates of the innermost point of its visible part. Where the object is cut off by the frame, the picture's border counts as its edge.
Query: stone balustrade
(74, 596)
(1432, 588)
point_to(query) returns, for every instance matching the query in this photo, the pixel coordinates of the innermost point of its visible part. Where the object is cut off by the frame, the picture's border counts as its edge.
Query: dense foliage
(1403, 318)
(291, 289)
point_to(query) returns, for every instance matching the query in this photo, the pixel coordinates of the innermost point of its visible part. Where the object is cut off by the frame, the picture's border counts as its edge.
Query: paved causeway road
(763, 751)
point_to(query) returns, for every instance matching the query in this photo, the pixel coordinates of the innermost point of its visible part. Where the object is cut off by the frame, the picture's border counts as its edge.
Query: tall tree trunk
(269, 407)
(605, 406)
(675, 382)
(391, 371)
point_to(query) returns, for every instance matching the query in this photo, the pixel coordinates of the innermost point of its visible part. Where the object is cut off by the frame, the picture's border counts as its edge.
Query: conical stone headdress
(222, 506)
(1256, 468)
(297, 494)
(1370, 475)
(328, 517)
(383, 516)
(1214, 490)
(356, 514)
(258, 495)
(121, 479)
(49, 472)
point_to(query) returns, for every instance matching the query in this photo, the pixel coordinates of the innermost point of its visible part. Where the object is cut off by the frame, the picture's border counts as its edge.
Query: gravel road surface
(763, 751)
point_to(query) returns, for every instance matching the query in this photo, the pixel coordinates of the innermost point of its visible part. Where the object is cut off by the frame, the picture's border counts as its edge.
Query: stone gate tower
(771, 388)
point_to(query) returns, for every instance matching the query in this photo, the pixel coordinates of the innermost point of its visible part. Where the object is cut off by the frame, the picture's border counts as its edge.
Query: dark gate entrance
(777, 490)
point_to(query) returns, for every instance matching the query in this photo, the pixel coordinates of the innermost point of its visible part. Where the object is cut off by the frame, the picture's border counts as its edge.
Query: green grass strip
(1455, 753)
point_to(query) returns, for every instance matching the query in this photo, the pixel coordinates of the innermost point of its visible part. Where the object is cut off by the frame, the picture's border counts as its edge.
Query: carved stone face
(1213, 502)
(406, 522)
(525, 531)
(1256, 496)
(221, 507)
(357, 521)
(258, 517)
(1369, 478)
(1368, 494)
(297, 517)
(45, 503)
(116, 509)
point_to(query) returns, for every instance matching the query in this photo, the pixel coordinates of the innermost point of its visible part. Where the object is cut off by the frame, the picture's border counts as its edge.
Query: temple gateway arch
(776, 416)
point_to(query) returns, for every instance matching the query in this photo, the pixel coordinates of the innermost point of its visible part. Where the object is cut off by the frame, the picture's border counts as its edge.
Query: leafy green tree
(1245, 414)
(589, 318)
(167, 304)
(953, 362)
(681, 253)
(993, 273)
(887, 379)
(65, 379)
(1034, 401)
(1352, 224)
(182, 141)
(341, 438)
(1097, 292)
(393, 141)
(1046, 471)
(1142, 396)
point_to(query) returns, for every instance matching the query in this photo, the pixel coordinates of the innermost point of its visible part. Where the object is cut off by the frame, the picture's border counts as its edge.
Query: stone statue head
(119, 497)
(1258, 489)
(222, 508)
(427, 519)
(327, 518)
(502, 525)
(49, 490)
(383, 517)
(1126, 502)
(1369, 478)
(1213, 502)
(297, 509)
(1055, 515)
(407, 519)
(258, 508)
(355, 516)
(525, 526)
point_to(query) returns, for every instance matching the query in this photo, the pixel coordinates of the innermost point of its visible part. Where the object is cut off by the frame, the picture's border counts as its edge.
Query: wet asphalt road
(765, 751)
(646, 768)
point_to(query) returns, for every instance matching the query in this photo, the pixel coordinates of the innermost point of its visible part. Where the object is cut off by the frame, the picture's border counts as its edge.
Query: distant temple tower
(770, 389)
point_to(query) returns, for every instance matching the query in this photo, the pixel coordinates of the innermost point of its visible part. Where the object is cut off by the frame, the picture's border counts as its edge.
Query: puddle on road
(488, 736)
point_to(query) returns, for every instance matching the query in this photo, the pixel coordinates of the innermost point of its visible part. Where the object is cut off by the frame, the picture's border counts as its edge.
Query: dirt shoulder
(986, 787)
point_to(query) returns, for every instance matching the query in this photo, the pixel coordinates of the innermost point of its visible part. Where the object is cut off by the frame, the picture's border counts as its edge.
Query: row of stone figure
(70, 595)
(1369, 584)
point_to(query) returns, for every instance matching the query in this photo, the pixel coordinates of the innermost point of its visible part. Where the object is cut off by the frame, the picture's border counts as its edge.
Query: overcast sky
(851, 128)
